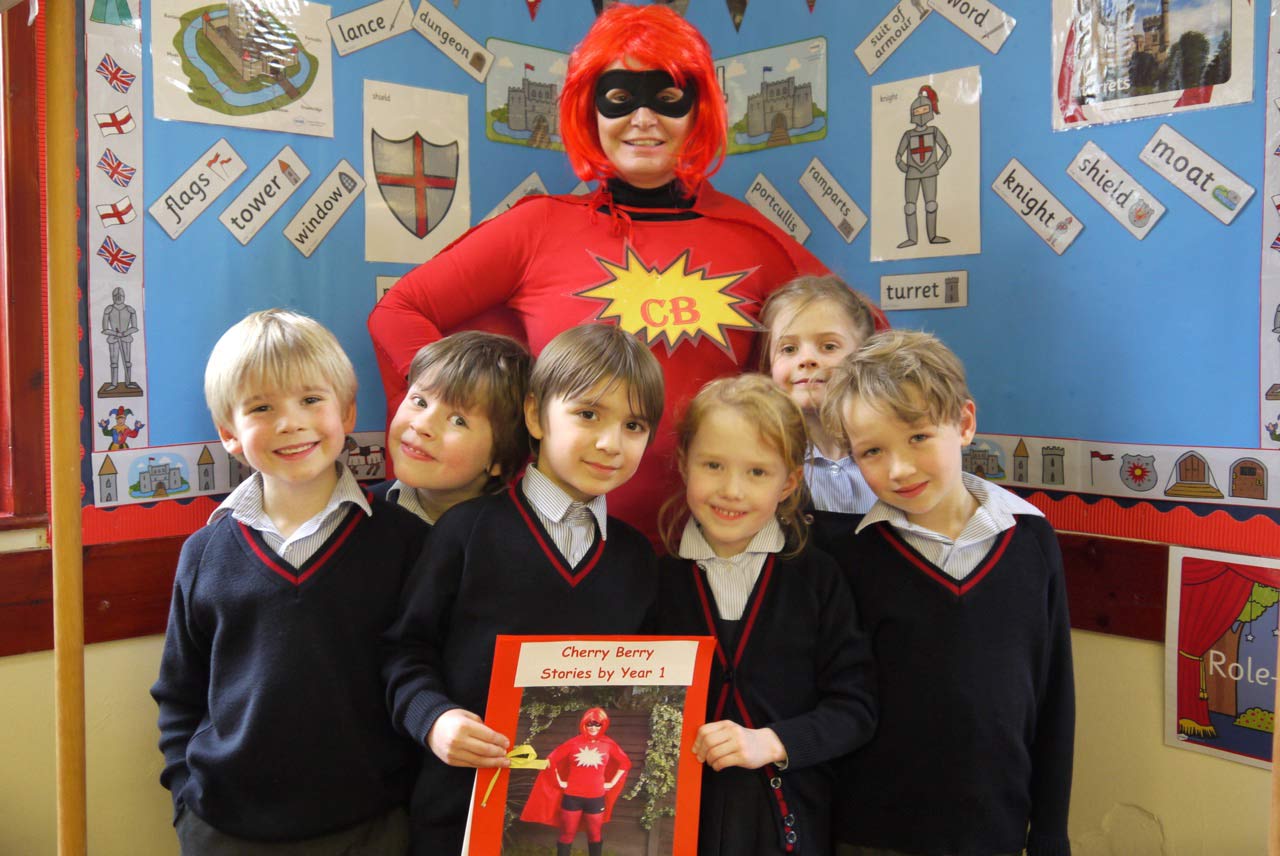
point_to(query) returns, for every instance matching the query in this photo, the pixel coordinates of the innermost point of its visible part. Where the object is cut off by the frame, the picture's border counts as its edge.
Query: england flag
(117, 213)
(119, 122)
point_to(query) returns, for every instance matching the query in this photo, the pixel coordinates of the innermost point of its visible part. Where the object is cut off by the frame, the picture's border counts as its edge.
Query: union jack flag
(115, 76)
(116, 170)
(116, 256)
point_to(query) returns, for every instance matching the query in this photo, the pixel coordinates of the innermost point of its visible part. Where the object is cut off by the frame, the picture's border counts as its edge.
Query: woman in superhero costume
(580, 785)
(654, 249)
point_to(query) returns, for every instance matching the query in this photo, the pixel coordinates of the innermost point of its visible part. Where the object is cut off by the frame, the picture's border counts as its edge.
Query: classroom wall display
(1222, 622)
(925, 152)
(1141, 350)
(1126, 59)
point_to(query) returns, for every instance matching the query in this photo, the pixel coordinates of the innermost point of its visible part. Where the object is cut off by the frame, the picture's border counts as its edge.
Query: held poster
(607, 719)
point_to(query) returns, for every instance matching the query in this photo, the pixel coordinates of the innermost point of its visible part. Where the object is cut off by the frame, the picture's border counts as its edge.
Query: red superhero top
(584, 763)
(687, 279)
(689, 288)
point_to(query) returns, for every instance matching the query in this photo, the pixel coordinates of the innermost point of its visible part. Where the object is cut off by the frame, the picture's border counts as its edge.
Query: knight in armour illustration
(119, 323)
(922, 152)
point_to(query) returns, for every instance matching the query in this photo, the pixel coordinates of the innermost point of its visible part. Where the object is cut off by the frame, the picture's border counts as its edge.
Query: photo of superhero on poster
(596, 770)
(924, 166)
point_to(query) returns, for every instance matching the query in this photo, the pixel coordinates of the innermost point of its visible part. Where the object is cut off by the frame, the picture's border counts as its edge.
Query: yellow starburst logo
(671, 304)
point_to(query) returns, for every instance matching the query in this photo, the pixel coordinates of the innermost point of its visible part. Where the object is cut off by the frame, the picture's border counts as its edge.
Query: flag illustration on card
(115, 169)
(114, 74)
(533, 8)
(119, 122)
(116, 256)
(117, 213)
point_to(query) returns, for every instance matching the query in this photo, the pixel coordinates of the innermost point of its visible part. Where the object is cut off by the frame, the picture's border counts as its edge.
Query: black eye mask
(643, 89)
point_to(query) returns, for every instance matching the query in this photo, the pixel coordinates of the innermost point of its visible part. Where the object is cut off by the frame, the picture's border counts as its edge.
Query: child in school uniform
(959, 584)
(541, 557)
(811, 324)
(272, 720)
(792, 685)
(459, 432)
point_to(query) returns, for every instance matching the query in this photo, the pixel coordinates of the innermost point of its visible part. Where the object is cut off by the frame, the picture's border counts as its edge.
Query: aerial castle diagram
(244, 64)
(241, 59)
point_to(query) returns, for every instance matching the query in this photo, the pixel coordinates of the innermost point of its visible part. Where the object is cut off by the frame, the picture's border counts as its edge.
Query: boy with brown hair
(272, 721)
(459, 433)
(960, 585)
(541, 557)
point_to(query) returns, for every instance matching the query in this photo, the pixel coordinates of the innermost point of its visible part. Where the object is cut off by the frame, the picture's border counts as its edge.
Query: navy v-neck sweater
(272, 720)
(973, 753)
(490, 568)
(800, 664)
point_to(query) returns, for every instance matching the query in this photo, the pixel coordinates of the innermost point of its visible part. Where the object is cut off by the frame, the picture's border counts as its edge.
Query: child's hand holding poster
(601, 729)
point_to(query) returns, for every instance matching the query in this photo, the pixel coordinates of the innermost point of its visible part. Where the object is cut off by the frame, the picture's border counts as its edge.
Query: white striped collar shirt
(732, 578)
(571, 525)
(245, 504)
(997, 510)
(836, 485)
(407, 498)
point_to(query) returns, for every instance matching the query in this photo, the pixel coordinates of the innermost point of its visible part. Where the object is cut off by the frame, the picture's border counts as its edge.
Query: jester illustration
(119, 323)
(922, 152)
(119, 432)
(582, 782)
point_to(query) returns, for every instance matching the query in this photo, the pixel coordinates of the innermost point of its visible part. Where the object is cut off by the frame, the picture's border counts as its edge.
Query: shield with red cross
(921, 147)
(417, 179)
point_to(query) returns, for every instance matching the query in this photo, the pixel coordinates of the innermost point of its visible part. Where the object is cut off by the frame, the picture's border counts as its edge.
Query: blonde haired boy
(960, 585)
(542, 557)
(272, 718)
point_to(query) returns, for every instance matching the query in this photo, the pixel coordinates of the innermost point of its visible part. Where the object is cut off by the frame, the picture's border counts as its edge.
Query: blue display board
(1114, 341)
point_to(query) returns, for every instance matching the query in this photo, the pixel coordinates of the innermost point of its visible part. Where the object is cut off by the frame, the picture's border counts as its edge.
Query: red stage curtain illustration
(1213, 594)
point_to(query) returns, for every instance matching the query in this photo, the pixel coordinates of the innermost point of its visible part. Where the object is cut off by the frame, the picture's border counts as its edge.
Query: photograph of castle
(1122, 59)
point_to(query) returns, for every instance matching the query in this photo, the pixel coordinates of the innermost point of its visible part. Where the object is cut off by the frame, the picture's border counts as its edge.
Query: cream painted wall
(1133, 795)
(129, 813)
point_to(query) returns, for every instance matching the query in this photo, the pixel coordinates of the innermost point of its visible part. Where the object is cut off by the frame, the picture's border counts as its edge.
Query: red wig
(594, 714)
(646, 37)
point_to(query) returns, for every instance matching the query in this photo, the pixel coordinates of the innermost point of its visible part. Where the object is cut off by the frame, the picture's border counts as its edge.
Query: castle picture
(533, 107)
(252, 42)
(780, 106)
